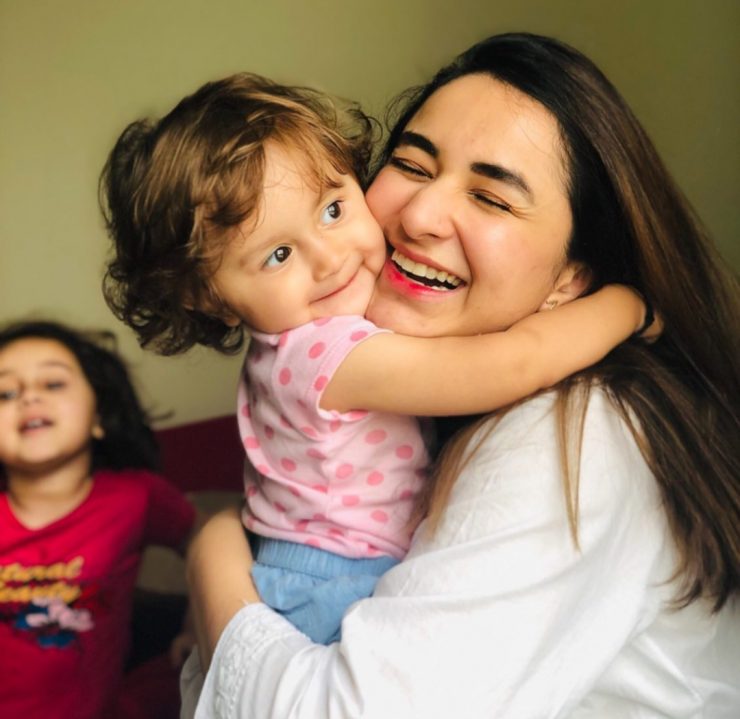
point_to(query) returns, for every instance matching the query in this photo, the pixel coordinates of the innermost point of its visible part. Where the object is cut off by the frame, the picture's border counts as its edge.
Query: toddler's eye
(278, 257)
(331, 213)
(54, 384)
(8, 394)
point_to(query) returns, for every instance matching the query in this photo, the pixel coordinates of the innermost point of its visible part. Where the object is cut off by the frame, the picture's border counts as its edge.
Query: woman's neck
(41, 496)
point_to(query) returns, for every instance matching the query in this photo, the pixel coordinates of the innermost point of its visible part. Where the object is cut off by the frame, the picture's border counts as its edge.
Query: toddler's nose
(327, 259)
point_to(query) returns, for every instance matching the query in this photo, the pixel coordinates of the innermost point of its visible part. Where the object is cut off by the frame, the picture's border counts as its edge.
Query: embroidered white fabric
(499, 614)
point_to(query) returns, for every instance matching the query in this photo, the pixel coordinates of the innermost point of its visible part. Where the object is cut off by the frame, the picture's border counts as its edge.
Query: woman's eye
(331, 213)
(408, 167)
(278, 257)
(490, 202)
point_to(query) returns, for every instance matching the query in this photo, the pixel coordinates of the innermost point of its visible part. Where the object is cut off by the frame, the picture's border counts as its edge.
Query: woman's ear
(571, 283)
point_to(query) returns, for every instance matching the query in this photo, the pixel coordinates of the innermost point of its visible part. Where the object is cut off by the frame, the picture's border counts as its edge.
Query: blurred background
(74, 73)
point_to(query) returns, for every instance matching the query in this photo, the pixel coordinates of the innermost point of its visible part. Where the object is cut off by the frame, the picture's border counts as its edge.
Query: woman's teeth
(436, 279)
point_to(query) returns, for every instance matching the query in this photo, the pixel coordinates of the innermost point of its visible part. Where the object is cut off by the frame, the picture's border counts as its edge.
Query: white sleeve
(497, 614)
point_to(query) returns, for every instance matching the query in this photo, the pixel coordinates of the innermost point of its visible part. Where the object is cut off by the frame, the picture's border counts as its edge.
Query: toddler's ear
(211, 305)
(571, 283)
(229, 319)
(97, 431)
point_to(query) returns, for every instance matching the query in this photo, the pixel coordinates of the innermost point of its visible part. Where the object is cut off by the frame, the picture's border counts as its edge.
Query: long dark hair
(632, 225)
(129, 441)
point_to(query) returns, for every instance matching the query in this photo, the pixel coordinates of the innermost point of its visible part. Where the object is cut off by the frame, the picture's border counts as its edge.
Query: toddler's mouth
(425, 275)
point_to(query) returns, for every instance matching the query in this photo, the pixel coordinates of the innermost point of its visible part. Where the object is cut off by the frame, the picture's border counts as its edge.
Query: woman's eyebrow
(487, 169)
(414, 139)
(496, 172)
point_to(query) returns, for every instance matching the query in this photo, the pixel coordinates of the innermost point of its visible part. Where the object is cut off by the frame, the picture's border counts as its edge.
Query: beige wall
(74, 72)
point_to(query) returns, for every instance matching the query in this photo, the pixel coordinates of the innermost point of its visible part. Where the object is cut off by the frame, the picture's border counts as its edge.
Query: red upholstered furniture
(205, 460)
(203, 456)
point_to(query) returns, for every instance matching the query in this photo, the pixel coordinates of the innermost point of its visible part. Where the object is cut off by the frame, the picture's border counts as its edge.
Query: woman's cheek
(383, 195)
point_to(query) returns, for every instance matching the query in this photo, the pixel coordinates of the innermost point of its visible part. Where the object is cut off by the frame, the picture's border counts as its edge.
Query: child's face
(310, 254)
(47, 406)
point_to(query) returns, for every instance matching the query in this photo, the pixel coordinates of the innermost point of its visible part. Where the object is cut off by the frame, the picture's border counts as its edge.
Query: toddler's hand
(653, 330)
(652, 323)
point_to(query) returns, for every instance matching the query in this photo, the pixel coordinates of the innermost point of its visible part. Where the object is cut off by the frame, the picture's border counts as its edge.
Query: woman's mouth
(428, 276)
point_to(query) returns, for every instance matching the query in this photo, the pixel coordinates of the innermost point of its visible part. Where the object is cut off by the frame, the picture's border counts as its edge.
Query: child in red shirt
(78, 506)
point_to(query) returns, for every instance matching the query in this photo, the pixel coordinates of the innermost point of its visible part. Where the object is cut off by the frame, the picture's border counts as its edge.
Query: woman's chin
(388, 310)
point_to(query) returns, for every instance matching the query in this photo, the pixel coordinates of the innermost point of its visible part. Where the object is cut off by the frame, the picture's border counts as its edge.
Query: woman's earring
(551, 304)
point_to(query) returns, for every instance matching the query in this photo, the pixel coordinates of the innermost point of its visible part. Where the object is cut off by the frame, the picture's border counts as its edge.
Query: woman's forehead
(477, 118)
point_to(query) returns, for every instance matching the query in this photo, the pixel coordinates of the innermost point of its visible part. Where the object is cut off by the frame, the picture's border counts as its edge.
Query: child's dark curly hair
(172, 190)
(129, 441)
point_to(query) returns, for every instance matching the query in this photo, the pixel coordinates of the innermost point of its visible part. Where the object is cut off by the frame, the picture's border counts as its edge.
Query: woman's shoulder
(512, 492)
(531, 429)
(519, 456)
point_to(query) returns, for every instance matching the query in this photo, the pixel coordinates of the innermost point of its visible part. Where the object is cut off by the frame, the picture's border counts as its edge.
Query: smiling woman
(582, 540)
(488, 208)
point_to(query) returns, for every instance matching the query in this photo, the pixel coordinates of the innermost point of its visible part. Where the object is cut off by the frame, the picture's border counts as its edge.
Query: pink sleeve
(308, 361)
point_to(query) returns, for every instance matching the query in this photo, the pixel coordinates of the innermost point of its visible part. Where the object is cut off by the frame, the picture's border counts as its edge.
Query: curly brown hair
(172, 190)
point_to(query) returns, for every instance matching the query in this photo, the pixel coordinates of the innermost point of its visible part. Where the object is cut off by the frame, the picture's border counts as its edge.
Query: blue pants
(310, 587)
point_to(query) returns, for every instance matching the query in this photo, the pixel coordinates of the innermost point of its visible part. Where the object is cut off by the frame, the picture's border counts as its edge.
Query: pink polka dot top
(343, 482)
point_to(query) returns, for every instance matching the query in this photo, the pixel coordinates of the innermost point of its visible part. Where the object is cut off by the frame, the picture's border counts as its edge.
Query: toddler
(242, 211)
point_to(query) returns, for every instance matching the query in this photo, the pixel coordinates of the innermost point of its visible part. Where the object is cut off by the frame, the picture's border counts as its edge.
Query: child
(242, 210)
(80, 503)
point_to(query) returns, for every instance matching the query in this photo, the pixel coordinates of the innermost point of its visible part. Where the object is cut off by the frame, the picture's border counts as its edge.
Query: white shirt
(499, 615)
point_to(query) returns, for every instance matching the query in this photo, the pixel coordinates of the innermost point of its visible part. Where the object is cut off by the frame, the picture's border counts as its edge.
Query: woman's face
(474, 207)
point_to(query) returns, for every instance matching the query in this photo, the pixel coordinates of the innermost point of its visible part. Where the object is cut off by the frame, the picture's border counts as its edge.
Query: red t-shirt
(66, 592)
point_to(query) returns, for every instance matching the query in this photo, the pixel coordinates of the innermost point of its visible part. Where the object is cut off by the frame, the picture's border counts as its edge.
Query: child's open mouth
(425, 275)
(33, 424)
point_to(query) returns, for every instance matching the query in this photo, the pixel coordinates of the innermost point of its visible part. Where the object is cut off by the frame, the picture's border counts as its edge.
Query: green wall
(74, 72)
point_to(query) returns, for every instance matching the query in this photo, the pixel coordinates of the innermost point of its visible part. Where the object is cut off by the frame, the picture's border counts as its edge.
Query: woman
(581, 552)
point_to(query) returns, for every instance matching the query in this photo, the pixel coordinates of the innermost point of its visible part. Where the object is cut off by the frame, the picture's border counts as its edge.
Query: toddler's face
(47, 406)
(308, 254)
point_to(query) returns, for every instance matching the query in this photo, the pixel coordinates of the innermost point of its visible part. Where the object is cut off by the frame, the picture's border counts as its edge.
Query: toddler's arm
(466, 375)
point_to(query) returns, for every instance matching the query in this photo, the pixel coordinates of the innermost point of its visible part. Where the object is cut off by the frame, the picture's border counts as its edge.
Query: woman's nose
(428, 214)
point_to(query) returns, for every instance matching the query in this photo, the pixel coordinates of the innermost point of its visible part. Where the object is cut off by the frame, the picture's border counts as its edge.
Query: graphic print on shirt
(43, 601)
